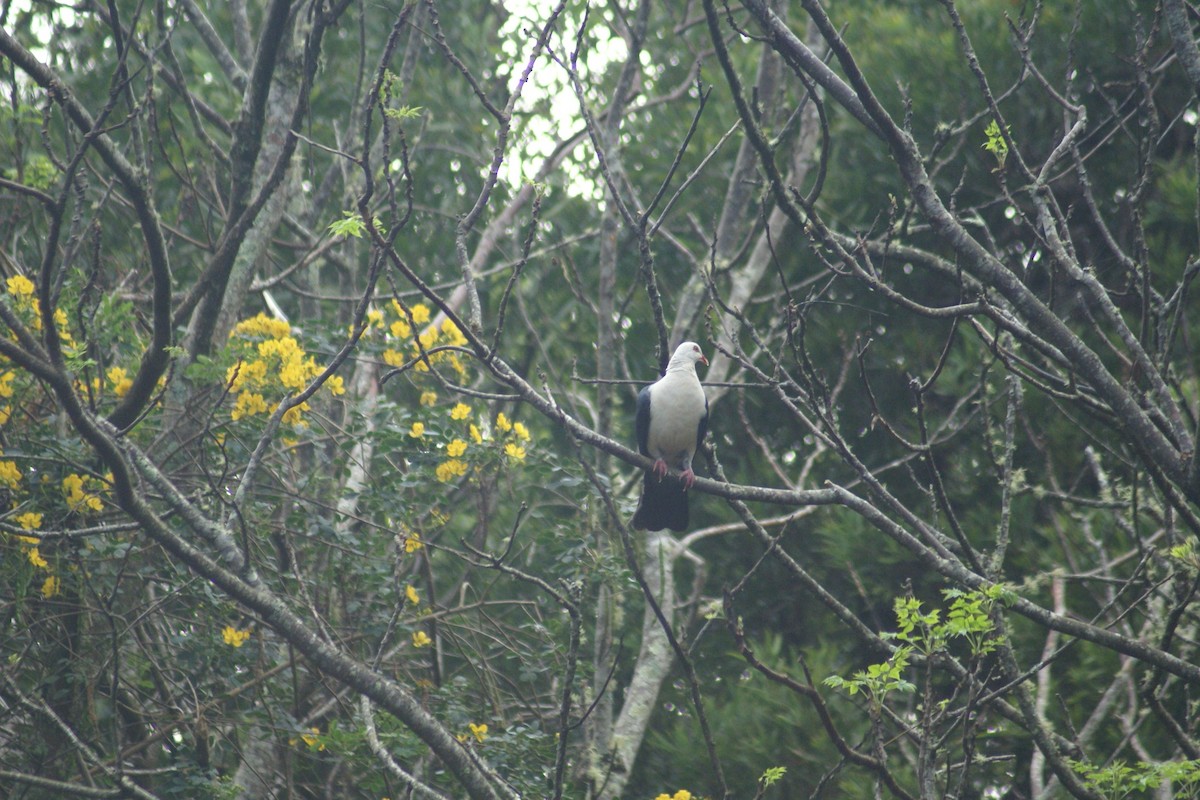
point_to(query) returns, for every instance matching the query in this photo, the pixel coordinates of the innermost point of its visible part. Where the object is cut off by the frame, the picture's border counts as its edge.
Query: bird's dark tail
(664, 504)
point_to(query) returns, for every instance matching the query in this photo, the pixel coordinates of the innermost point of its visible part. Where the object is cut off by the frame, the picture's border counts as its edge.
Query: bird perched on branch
(672, 416)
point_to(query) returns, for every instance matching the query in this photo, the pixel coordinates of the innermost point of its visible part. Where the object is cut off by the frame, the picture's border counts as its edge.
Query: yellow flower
(412, 595)
(682, 794)
(456, 363)
(412, 542)
(428, 398)
(293, 415)
(119, 380)
(234, 637)
(476, 436)
(294, 368)
(72, 485)
(9, 474)
(6, 389)
(246, 374)
(30, 520)
(456, 448)
(248, 404)
(374, 318)
(478, 731)
(520, 431)
(261, 326)
(448, 470)
(313, 739)
(36, 559)
(336, 385)
(502, 423)
(453, 334)
(19, 286)
(420, 315)
(460, 411)
(514, 451)
(51, 586)
(417, 430)
(421, 639)
(78, 499)
(401, 329)
(394, 358)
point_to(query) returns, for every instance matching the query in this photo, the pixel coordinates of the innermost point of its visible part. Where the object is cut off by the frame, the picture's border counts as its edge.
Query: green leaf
(403, 112)
(351, 224)
(996, 144)
(772, 775)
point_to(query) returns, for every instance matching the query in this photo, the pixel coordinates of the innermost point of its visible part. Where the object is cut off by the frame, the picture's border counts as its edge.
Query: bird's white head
(686, 356)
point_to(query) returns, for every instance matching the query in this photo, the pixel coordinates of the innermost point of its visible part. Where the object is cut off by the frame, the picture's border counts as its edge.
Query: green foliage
(772, 775)
(996, 144)
(402, 113)
(438, 484)
(1120, 780)
(1186, 555)
(970, 616)
(968, 619)
(878, 680)
(351, 224)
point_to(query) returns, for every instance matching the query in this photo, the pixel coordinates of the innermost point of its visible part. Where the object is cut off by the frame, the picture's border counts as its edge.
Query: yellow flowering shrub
(270, 362)
(29, 310)
(311, 739)
(119, 381)
(20, 286)
(421, 639)
(404, 345)
(503, 437)
(234, 637)
(6, 393)
(10, 475)
(82, 493)
(30, 520)
(478, 732)
(247, 405)
(412, 542)
(449, 470)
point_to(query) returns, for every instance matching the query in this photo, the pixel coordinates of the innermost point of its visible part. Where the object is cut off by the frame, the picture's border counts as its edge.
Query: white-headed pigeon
(672, 415)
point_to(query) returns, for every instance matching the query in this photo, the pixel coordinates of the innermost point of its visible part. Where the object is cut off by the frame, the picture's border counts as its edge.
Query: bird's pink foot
(660, 469)
(689, 478)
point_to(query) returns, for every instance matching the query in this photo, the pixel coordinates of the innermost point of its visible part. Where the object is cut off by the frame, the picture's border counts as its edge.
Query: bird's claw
(688, 477)
(660, 469)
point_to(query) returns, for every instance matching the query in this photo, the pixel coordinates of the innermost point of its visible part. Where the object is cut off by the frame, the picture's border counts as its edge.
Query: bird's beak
(703, 360)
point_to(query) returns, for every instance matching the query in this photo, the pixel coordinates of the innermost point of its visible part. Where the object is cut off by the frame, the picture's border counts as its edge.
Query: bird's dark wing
(642, 422)
(702, 427)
